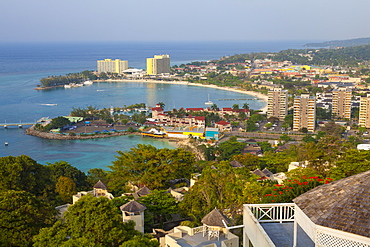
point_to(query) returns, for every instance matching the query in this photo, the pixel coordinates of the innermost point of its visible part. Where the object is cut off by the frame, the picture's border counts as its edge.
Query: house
(134, 211)
(236, 164)
(336, 214)
(99, 189)
(223, 126)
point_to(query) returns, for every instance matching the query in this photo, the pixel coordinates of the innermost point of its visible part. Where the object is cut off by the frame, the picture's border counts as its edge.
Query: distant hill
(341, 43)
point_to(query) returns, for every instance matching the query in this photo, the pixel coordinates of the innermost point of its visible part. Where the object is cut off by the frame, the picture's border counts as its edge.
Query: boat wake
(49, 104)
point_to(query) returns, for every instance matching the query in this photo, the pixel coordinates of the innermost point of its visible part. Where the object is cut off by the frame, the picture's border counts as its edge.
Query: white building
(331, 215)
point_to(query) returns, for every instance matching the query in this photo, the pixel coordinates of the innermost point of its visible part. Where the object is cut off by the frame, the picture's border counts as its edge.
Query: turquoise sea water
(22, 66)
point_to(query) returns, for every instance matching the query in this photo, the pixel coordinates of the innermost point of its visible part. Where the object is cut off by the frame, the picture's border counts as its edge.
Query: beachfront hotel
(304, 113)
(112, 66)
(159, 64)
(277, 103)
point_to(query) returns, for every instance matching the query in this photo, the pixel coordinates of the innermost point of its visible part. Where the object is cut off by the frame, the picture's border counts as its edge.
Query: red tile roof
(222, 122)
(157, 109)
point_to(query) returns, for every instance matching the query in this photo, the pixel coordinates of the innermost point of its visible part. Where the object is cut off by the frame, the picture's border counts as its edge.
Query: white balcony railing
(282, 212)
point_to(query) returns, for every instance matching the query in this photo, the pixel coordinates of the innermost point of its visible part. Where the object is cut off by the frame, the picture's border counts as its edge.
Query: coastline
(253, 93)
(31, 131)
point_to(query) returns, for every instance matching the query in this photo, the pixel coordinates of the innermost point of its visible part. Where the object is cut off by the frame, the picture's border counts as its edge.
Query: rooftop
(343, 205)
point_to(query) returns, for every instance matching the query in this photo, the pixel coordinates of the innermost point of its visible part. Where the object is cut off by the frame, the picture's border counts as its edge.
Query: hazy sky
(186, 20)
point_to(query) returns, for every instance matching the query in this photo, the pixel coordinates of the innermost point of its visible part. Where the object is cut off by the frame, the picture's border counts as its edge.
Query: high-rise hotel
(277, 103)
(158, 64)
(342, 103)
(112, 66)
(304, 114)
(364, 116)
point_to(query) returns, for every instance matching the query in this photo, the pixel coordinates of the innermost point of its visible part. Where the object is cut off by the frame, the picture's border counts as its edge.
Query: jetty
(21, 124)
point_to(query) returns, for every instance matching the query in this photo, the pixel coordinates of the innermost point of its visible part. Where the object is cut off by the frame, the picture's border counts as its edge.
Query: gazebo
(213, 224)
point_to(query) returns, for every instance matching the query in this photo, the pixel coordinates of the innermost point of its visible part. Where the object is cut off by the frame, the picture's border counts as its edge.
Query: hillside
(341, 43)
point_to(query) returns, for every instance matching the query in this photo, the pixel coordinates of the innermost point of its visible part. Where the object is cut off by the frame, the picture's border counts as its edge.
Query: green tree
(100, 224)
(63, 168)
(229, 148)
(214, 107)
(141, 241)
(351, 162)
(66, 188)
(160, 204)
(22, 215)
(96, 174)
(221, 186)
(309, 138)
(235, 107)
(151, 166)
(59, 122)
(24, 173)
(285, 138)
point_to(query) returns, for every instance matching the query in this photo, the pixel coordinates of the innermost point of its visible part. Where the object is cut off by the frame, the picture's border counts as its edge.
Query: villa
(331, 215)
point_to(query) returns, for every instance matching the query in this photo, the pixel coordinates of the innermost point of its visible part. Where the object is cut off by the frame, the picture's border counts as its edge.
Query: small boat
(67, 86)
(6, 143)
(88, 82)
(209, 102)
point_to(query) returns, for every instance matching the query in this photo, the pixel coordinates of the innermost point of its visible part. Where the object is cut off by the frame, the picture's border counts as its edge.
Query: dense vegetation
(39, 188)
(67, 79)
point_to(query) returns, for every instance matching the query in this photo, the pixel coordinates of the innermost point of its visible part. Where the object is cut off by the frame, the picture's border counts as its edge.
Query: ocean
(22, 65)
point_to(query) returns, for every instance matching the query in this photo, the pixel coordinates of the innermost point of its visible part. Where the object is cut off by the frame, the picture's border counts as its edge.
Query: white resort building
(331, 215)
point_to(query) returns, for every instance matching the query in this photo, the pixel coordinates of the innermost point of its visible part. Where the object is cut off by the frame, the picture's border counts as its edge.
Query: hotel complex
(304, 113)
(112, 66)
(158, 65)
(277, 104)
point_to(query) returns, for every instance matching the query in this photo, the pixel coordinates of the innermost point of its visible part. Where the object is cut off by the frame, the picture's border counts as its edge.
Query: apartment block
(158, 64)
(304, 113)
(342, 103)
(112, 66)
(364, 116)
(277, 104)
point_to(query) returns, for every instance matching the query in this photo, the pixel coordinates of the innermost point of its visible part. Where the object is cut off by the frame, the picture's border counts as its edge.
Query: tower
(159, 64)
(112, 66)
(277, 103)
(342, 103)
(364, 118)
(134, 211)
(304, 114)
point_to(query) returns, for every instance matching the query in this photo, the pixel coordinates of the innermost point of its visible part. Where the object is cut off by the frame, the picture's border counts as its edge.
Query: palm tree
(214, 107)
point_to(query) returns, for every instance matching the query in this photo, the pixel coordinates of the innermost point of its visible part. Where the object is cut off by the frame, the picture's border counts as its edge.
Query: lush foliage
(149, 165)
(22, 215)
(100, 224)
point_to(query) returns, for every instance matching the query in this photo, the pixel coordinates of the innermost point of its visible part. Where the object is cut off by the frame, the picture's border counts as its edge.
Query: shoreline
(51, 136)
(258, 95)
(253, 93)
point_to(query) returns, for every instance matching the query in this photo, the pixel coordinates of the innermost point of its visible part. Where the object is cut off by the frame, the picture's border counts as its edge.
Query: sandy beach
(237, 90)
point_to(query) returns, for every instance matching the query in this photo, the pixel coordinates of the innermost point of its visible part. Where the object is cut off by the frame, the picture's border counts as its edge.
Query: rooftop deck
(198, 240)
(282, 234)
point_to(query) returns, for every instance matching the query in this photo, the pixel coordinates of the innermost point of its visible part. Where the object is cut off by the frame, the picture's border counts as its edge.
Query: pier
(20, 124)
